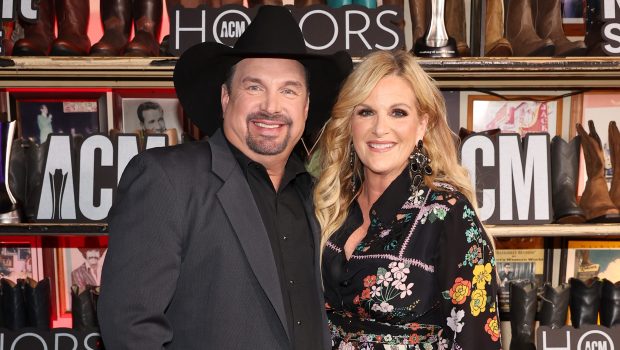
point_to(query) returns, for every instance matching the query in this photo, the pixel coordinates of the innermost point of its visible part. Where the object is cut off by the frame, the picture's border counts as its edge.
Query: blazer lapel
(238, 203)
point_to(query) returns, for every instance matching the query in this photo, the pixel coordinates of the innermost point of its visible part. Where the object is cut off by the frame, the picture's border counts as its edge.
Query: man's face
(265, 112)
(153, 120)
(92, 257)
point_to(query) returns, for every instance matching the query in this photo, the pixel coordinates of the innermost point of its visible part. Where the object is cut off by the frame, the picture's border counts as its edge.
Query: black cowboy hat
(202, 69)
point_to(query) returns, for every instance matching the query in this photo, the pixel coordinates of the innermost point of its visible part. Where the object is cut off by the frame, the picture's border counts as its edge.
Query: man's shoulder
(189, 154)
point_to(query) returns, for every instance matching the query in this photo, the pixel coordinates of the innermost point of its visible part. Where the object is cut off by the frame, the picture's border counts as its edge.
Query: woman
(405, 260)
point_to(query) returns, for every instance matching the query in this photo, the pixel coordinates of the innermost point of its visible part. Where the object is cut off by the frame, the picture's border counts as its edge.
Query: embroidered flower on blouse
(400, 270)
(492, 327)
(478, 301)
(375, 291)
(460, 290)
(385, 279)
(482, 275)
(405, 290)
(370, 280)
(383, 307)
(454, 321)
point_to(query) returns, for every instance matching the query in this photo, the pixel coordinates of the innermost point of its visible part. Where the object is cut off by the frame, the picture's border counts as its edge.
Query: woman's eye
(399, 113)
(365, 112)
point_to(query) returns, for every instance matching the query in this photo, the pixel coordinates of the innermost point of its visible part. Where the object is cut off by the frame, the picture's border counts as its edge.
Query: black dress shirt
(284, 217)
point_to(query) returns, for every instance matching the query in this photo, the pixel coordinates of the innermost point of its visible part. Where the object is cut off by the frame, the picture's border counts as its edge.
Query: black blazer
(189, 263)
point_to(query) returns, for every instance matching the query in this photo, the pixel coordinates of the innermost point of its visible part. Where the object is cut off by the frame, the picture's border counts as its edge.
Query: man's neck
(274, 165)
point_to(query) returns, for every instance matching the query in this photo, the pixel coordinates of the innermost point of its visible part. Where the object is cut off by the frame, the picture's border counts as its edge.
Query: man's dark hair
(148, 105)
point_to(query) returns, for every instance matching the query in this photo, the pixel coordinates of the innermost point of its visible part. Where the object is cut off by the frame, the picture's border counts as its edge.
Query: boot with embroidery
(521, 33)
(564, 171)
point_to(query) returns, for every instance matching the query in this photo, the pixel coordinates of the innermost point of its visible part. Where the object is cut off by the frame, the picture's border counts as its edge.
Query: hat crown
(272, 22)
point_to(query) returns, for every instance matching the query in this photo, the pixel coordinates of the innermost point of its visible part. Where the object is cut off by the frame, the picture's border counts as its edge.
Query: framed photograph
(572, 17)
(154, 110)
(593, 258)
(518, 114)
(518, 259)
(79, 262)
(20, 258)
(76, 112)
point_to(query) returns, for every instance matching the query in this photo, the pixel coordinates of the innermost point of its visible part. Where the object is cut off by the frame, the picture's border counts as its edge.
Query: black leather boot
(610, 303)
(147, 16)
(585, 299)
(38, 304)
(116, 19)
(564, 171)
(554, 305)
(83, 309)
(72, 20)
(13, 304)
(38, 35)
(523, 305)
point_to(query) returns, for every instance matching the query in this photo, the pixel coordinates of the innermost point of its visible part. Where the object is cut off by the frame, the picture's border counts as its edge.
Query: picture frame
(520, 114)
(21, 257)
(73, 268)
(128, 101)
(592, 258)
(573, 22)
(42, 112)
(519, 259)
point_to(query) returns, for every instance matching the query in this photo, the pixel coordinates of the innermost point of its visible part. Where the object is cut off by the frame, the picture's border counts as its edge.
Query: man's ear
(224, 97)
(307, 108)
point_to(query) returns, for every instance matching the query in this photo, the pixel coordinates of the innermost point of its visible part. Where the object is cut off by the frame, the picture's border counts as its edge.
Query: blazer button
(345, 283)
(299, 323)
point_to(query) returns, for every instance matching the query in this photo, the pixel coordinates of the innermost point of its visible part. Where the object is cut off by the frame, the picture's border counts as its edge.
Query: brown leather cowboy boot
(38, 35)
(549, 26)
(595, 200)
(252, 3)
(147, 24)
(614, 153)
(303, 3)
(521, 33)
(72, 17)
(7, 42)
(418, 9)
(455, 25)
(495, 42)
(116, 20)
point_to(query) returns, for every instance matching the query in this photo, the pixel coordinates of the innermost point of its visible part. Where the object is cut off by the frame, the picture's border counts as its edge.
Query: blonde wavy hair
(333, 193)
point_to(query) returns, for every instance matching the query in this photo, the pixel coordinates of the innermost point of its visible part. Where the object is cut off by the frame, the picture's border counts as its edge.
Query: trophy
(436, 43)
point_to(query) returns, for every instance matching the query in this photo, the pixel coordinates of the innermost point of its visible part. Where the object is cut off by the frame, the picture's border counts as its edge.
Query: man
(89, 273)
(151, 117)
(505, 276)
(213, 245)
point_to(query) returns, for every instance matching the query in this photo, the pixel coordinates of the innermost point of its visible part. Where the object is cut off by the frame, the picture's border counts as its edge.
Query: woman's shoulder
(447, 194)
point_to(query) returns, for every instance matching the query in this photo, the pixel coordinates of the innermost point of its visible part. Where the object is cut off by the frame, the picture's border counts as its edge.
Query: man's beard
(265, 145)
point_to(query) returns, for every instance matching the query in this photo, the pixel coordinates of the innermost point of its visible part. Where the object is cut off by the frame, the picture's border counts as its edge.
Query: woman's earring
(352, 163)
(419, 166)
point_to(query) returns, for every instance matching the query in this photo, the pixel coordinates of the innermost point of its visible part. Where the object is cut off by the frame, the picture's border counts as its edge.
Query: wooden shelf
(462, 73)
(44, 229)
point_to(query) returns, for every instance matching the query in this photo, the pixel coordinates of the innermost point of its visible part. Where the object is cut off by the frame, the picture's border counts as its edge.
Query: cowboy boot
(38, 303)
(419, 11)
(549, 26)
(38, 35)
(564, 171)
(495, 42)
(13, 304)
(7, 41)
(147, 24)
(455, 25)
(252, 3)
(585, 298)
(614, 155)
(9, 209)
(521, 33)
(304, 3)
(72, 20)
(554, 305)
(595, 200)
(610, 303)
(116, 20)
(35, 164)
(522, 314)
(83, 310)
(594, 24)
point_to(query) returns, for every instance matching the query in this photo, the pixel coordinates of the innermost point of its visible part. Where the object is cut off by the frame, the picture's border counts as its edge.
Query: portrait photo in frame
(21, 257)
(78, 261)
(515, 113)
(40, 112)
(593, 258)
(160, 111)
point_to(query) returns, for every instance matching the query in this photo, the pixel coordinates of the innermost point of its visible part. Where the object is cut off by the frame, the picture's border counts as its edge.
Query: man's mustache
(277, 117)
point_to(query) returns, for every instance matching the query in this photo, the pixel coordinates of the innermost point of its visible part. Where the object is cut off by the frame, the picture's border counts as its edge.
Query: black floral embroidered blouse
(422, 278)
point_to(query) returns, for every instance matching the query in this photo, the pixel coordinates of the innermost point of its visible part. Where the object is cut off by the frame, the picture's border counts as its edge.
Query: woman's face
(386, 127)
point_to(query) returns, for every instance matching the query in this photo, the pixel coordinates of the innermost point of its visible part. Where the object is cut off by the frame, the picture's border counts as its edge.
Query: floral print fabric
(422, 278)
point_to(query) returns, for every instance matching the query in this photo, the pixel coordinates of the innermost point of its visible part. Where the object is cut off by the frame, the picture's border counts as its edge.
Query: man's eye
(289, 92)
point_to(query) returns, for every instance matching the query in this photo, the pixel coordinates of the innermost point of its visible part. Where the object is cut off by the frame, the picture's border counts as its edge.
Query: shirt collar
(392, 199)
(294, 166)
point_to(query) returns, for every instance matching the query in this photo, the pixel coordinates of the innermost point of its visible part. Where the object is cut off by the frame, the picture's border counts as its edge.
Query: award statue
(436, 43)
